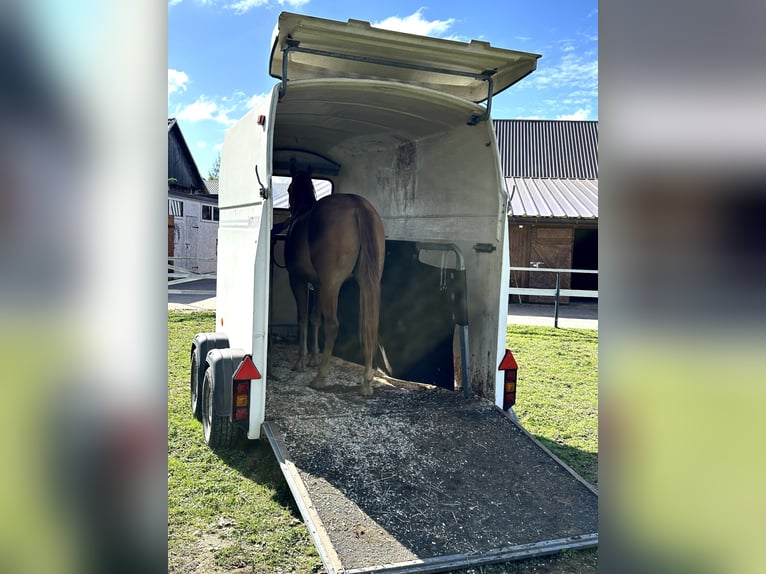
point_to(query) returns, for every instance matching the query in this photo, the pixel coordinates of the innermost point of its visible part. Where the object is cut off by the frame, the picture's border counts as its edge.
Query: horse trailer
(421, 476)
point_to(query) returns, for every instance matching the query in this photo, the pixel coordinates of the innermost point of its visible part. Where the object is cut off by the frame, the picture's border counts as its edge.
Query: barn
(551, 178)
(192, 208)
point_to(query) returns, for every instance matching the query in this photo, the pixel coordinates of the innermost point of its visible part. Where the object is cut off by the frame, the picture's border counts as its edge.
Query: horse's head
(301, 192)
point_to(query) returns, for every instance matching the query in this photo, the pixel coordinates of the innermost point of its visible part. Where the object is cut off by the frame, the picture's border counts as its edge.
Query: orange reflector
(246, 370)
(241, 401)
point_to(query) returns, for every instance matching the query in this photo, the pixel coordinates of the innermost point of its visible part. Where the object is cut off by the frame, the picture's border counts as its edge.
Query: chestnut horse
(327, 242)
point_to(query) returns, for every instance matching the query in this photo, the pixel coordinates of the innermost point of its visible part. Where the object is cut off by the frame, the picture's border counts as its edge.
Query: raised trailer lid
(418, 479)
(319, 48)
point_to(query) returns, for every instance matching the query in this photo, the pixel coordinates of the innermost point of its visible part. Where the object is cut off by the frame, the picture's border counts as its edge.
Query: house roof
(212, 186)
(181, 165)
(550, 167)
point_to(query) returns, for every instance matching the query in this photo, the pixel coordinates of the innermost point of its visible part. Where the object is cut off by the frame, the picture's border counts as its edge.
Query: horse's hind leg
(328, 303)
(315, 318)
(300, 292)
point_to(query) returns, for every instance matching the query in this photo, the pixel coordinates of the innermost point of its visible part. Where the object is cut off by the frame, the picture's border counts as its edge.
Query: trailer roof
(319, 48)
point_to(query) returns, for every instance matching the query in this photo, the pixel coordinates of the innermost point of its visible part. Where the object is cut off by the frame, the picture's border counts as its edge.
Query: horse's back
(340, 223)
(334, 214)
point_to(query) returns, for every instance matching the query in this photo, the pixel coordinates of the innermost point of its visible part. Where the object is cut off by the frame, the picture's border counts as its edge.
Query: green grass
(230, 510)
(557, 391)
(233, 510)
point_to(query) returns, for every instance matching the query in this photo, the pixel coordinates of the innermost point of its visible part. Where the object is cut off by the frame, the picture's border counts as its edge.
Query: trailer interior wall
(432, 177)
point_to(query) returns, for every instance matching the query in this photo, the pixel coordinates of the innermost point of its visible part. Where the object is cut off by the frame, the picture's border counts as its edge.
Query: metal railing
(178, 275)
(556, 292)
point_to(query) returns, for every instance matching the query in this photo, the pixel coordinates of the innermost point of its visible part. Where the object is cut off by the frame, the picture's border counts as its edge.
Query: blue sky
(218, 54)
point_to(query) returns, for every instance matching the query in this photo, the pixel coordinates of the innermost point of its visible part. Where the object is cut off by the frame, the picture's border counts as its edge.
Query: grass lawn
(235, 513)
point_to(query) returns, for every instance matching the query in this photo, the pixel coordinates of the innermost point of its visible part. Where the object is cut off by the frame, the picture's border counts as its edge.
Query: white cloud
(205, 109)
(572, 71)
(581, 114)
(218, 147)
(201, 144)
(177, 80)
(415, 24)
(243, 6)
(174, 2)
(256, 100)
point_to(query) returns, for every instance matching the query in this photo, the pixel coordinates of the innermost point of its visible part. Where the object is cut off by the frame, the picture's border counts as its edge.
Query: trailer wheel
(217, 430)
(196, 403)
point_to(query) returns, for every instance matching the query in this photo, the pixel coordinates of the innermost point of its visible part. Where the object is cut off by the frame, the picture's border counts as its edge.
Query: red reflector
(508, 362)
(246, 370)
(242, 389)
(240, 414)
(261, 120)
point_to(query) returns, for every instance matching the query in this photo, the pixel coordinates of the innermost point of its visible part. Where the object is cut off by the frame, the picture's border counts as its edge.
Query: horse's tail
(368, 274)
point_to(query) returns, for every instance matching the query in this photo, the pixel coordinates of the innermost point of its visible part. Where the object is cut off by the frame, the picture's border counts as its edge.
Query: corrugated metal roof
(212, 186)
(553, 197)
(548, 148)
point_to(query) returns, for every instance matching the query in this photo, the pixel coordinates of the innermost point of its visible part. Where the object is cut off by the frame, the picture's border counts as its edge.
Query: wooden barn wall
(552, 245)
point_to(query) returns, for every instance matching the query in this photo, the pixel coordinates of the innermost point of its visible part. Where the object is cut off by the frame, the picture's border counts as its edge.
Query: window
(209, 213)
(176, 207)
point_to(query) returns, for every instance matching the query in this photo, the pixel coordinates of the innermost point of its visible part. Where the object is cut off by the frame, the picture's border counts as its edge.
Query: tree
(216, 169)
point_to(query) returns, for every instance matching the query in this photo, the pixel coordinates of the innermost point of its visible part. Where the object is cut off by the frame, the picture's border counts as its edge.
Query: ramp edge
(303, 500)
(548, 451)
(495, 556)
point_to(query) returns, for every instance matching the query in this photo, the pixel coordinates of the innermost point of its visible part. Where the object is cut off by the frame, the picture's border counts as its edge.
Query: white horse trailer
(396, 118)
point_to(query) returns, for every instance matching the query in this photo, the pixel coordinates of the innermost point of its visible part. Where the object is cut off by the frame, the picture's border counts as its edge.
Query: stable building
(551, 178)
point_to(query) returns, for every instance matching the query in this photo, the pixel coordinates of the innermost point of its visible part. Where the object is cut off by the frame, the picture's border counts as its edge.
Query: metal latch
(484, 248)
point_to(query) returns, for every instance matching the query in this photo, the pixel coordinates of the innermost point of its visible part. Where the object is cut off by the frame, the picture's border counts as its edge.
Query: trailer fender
(202, 343)
(222, 364)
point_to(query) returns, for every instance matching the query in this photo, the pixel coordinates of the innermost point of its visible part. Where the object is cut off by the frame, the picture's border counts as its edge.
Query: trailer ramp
(416, 478)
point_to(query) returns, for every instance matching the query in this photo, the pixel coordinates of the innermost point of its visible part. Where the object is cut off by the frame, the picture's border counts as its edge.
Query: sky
(218, 52)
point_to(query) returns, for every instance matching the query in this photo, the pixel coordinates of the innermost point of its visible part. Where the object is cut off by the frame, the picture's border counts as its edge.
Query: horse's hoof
(318, 383)
(313, 360)
(366, 390)
(300, 364)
